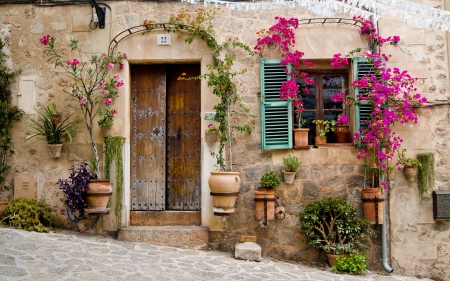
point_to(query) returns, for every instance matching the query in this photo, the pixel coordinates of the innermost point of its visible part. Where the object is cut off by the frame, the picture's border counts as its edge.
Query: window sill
(345, 144)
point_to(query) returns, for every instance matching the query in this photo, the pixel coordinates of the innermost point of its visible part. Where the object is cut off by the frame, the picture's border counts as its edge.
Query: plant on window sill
(324, 127)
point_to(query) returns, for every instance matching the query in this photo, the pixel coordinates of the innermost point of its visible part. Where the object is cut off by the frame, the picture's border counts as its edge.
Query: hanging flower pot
(289, 177)
(373, 204)
(98, 193)
(55, 150)
(341, 133)
(106, 131)
(265, 197)
(224, 190)
(211, 136)
(410, 173)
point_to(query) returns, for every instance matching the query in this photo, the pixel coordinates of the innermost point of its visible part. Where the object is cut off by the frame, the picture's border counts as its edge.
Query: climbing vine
(114, 151)
(8, 114)
(221, 76)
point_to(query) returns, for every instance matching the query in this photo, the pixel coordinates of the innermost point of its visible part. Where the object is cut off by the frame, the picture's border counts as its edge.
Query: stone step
(187, 237)
(164, 218)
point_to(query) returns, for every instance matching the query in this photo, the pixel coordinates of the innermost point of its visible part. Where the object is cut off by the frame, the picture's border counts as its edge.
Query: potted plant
(53, 133)
(342, 129)
(410, 165)
(332, 225)
(265, 196)
(291, 166)
(106, 120)
(212, 133)
(322, 128)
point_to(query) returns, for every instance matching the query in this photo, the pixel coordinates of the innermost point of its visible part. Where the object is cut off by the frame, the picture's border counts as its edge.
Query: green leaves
(354, 264)
(28, 214)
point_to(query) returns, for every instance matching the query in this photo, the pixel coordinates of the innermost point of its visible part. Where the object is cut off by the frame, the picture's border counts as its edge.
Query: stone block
(248, 238)
(247, 251)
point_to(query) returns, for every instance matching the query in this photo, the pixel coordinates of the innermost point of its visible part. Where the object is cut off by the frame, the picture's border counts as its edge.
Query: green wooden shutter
(276, 114)
(363, 110)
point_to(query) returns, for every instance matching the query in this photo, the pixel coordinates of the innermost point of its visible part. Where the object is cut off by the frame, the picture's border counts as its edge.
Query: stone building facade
(418, 244)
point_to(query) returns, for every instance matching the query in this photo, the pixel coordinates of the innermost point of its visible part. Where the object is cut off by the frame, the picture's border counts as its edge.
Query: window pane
(309, 100)
(332, 85)
(309, 116)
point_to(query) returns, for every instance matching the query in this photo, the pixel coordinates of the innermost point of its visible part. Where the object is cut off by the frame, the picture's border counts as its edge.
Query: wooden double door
(165, 137)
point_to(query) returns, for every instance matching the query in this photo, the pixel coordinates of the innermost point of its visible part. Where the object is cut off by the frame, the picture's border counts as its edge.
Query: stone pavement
(67, 255)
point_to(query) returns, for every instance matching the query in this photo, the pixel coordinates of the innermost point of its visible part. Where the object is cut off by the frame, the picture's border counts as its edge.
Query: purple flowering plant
(89, 82)
(385, 85)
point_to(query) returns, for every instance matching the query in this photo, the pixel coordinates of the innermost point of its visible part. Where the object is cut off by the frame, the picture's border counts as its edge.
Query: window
(318, 105)
(277, 116)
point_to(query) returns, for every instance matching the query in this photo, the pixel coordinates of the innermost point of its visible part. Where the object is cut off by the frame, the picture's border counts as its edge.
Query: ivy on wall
(114, 152)
(426, 172)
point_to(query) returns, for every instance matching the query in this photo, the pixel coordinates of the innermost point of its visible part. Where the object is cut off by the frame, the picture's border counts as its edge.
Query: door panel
(165, 167)
(148, 144)
(183, 138)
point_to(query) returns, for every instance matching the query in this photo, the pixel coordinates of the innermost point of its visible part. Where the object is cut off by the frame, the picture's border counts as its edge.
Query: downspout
(384, 258)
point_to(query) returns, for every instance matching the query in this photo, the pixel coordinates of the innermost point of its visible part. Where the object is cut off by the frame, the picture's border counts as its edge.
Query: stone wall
(325, 172)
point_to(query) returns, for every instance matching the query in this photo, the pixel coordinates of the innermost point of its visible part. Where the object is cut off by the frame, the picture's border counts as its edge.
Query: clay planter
(341, 134)
(372, 204)
(410, 173)
(259, 204)
(211, 136)
(106, 131)
(321, 140)
(224, 188)
(3, 208)
(301, 137)
(289, 177)
(332, 259)
(98, 193)
(54, 150)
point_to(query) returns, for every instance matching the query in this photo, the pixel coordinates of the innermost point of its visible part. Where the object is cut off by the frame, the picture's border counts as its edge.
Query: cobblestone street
(66, 255)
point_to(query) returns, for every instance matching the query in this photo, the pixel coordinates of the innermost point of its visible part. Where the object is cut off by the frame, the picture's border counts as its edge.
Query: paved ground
(64, 255)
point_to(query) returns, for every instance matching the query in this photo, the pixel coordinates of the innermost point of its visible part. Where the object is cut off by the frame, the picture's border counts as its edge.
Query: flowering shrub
(383, 86)
(282, 37)
(88, 82)
(342, 120)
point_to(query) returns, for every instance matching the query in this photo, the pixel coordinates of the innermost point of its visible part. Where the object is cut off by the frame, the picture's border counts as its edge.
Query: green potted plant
(410, 165)
(322, 128)
(265, 195)
(291, 166)
(331, 225)
(353, 264)
(53, 133)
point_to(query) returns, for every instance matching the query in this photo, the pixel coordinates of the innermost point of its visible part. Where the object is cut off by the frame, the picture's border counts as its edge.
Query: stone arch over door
(142, 50)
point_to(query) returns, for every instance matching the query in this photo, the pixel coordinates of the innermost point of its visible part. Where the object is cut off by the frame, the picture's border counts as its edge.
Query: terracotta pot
(55, 150)
(289, 177)
(301, 137)
(410, 173)
(98, 193)
(106, 131)
(332, 259)
(341, 134)
(224, 188)
(372, 204)
(211, 136)
(321, 140)
(3, 208)
(259, 205)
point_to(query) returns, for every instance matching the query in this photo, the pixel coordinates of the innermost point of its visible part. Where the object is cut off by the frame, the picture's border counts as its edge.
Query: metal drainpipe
(384, 257)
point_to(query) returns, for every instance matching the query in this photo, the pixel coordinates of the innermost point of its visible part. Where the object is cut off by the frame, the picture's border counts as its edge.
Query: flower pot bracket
(375, 201)
(265, 200)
